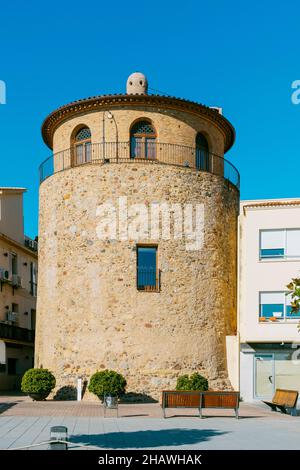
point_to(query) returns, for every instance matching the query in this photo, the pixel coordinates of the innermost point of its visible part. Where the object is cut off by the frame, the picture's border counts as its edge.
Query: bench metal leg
(237, 413)
(282, 409)
(294, 411)
(200, 413)
(271, 405)
(164, 412)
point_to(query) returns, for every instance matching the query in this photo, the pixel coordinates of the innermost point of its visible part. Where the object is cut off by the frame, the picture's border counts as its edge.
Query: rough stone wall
(91, 315)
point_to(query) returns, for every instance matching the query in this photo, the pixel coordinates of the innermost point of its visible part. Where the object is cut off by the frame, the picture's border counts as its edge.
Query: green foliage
(183, 382)
(294, 290)
(39, 381)
(193, 382)
(107, 382)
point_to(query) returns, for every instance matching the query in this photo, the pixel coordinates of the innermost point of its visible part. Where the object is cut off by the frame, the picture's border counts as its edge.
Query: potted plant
(193, 382)
(107, 383)
(38, 383)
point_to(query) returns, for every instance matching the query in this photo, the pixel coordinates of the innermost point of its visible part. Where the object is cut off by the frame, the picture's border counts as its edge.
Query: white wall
(11, 213)
(267, 275)
(247, 374)
(232, 356)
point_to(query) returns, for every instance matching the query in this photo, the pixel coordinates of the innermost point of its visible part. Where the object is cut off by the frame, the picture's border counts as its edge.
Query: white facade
(269, 257)
(11, 213)
(18, 289)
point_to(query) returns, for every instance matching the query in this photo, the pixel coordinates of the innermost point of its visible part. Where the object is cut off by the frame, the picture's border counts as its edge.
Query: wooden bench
(200, 400)
(284, 400)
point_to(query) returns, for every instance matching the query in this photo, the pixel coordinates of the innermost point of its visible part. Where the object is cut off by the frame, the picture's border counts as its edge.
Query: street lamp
(109, 115)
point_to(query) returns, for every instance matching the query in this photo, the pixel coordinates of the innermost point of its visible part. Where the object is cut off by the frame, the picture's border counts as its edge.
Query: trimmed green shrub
(107, 382)
(193, 382)
(38, 383)
(183, 382)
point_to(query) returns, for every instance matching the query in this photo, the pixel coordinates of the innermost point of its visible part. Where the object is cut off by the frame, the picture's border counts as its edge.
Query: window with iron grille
(82, 146)
(83, 134)
(143, 140)
(202, 153)
(147, 273)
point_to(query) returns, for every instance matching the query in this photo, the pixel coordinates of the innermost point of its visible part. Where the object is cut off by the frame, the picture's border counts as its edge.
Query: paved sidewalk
(140, 426)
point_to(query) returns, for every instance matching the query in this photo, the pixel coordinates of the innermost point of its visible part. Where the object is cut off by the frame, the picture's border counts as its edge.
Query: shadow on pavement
(6, 406)
(146, 439)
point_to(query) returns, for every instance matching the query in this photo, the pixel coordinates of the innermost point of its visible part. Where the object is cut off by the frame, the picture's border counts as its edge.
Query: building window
(82, 146)
(280, 244)
(11, 366)
(142, 141)
(276, 306)
(147, 273)
(32, 319)
(33, 279)
(202, 153)
(15, 308)
(13, 263)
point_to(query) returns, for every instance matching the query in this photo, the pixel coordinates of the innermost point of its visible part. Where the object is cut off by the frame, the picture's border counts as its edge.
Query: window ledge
(279, 322)
(281, 260)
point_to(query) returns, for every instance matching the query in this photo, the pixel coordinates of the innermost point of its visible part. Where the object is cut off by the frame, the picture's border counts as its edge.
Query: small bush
(193, 382)
(183, 382)
(107, 382)
(38, 381)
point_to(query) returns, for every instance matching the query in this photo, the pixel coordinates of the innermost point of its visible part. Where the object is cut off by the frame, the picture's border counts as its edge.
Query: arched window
(202, 153)
(142, 140)
(82, 146)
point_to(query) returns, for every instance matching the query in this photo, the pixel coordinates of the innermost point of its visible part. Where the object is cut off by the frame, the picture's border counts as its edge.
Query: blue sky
(237, 55)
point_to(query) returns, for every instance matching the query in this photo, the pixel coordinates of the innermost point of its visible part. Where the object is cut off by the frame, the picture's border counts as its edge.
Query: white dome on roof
(137, 84)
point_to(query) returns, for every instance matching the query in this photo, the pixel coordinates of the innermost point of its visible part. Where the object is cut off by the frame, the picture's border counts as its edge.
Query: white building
(18, 289)
(269, 257)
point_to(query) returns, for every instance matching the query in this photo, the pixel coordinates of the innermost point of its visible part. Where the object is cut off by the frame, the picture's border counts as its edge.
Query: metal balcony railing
(16, 333)
(31, 244)
(148, 152)
(148, 279)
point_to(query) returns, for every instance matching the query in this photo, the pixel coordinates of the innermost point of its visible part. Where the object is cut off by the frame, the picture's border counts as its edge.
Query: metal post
(79, 389)
(103, 134)
(117, 140)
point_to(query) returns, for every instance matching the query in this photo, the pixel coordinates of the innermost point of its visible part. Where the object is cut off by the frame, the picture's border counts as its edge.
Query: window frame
(144, 137)
(285, 318)
(202, 154)
(33, 279)
(284, 256)
(85, 143)
(155, 288)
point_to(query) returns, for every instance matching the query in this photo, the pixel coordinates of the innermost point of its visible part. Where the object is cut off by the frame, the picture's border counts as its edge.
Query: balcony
(157, 153)
(31, 244)
(15, 333)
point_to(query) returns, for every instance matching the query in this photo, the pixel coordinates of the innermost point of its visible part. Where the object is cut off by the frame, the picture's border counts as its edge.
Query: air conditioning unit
(4, 275)
(16, 280)
(12, 316)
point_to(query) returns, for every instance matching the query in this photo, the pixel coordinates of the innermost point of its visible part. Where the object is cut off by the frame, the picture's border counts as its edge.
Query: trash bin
(58, 433)
(110, 403)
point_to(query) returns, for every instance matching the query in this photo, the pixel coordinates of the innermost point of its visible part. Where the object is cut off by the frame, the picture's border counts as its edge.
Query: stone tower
(150, 303)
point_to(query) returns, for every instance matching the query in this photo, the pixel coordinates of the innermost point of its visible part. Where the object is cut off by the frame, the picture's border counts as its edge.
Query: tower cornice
(98, 103)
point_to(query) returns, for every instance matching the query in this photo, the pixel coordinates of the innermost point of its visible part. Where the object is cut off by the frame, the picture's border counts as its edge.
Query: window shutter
(271, 239)
(293, 243)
